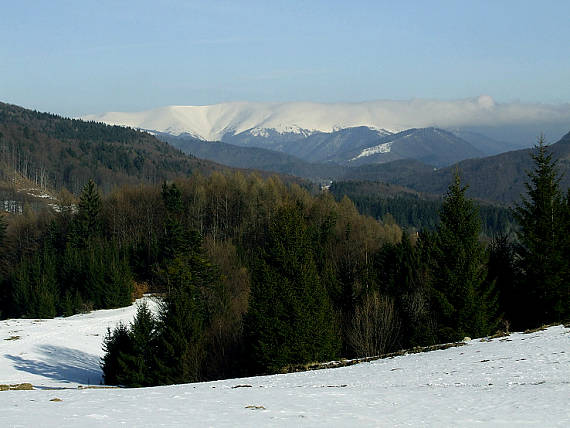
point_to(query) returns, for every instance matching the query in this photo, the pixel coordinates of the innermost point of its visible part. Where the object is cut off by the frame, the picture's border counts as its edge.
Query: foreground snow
(520, 380)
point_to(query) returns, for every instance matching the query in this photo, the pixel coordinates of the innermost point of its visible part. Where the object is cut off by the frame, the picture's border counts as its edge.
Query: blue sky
(78, 57)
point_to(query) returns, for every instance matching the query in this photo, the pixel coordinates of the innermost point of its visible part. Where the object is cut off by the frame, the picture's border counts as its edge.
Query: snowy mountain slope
(523, 379)
(432, 146)
(214, 122)
(349, 146)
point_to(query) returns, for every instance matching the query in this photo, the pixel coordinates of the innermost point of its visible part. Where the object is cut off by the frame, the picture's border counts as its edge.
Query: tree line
(413, 211)
(255, 275)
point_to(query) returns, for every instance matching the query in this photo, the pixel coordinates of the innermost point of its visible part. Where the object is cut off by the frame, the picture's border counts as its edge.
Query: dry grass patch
(499, 333)
(541, 328)
(292, 368)
(139, 290)
(98, 387)
(17, 387)
(13, 338)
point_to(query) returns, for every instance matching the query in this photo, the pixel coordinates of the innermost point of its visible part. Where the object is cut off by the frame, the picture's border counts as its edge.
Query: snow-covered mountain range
(358, 133)
(213, 122)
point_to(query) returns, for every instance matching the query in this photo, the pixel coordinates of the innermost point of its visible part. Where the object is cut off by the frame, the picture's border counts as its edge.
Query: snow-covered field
(523, 379)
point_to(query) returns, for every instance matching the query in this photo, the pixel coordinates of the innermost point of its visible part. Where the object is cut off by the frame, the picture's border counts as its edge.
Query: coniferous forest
(254, 275)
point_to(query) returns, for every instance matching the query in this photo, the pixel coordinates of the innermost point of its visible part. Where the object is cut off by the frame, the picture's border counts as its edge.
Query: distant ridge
(218, 121)
(498, 178)
(54, 152)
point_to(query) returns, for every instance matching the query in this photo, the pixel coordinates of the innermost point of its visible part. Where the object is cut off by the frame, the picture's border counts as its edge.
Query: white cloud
(212, 122)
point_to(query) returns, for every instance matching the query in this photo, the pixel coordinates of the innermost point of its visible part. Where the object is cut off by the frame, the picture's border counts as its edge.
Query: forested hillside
(53, 152)
(252, 158)
(413, 210)
(258, 276)
(497, 178)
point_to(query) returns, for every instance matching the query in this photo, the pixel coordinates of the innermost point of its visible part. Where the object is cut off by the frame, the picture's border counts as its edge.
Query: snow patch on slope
(59, 352)
(380, 148)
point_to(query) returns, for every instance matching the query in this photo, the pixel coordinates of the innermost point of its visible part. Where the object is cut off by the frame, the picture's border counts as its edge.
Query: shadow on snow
(63, 364)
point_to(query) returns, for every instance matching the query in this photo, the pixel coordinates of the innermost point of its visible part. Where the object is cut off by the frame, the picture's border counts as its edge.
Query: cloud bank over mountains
(212, 122)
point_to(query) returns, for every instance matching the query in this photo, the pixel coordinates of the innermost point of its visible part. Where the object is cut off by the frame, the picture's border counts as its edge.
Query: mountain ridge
(214, 122)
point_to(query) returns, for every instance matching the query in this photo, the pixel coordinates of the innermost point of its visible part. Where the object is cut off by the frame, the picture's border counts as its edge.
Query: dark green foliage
(501, 271)
(565, 250)
(178, 337)
(413, 210)
(177, 238)
(463, 305)
(49, 283)
(170, 349)
(182, 320)
(88, 218)
(117, 346)
(4, 290)
(255, 275)
(404, 273)
(98, 273)
(130, 353)
(3, 226)
(35, 288)
(543, 244)
(290, 318)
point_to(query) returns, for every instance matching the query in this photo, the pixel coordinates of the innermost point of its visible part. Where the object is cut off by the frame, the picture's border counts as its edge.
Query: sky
(75, 57)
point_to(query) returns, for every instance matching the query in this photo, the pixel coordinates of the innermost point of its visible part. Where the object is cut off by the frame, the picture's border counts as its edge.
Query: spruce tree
(117, 346)
(181, 322)
(4, 289)
(461, 302)
(502, 271)
(3, 227)
(88, 218)
(35, 289)
(290, 318)
(185, 274)
(130, 351)
(542, 250)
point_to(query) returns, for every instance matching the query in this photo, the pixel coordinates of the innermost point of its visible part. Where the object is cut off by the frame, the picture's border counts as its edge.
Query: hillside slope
(431, 146)
(498, 178)
(521, 379)
(252, 157)
(55, 152)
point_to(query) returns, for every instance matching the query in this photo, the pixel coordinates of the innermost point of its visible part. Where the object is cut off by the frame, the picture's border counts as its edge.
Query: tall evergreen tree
(290, 319)
(463, 305)
(35, 288)
(130, 352)
(4, 289)
(181, 323)
(88, 218)
(542, 250)
(3, 227)
(502, 271)
(185, 274)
